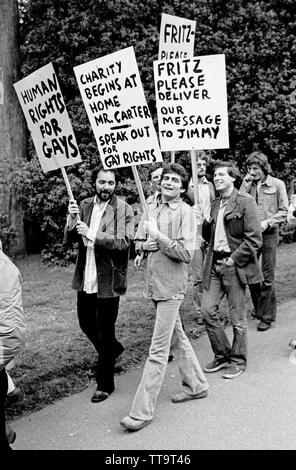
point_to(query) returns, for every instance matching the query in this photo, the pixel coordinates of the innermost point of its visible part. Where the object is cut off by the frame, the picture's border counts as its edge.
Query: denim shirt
(167, 269)
(272, 200)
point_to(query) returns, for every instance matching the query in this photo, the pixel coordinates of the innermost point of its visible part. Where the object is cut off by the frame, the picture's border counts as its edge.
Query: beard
(105, 194)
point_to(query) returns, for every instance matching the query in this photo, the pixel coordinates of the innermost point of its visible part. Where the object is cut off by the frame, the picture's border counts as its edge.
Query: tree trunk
(12, 124)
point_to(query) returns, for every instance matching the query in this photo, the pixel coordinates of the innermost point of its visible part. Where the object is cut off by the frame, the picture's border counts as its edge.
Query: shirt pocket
(270, 200)
(235, 224)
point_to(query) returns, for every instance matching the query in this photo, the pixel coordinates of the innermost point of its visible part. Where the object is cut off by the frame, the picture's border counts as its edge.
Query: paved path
(254, 411)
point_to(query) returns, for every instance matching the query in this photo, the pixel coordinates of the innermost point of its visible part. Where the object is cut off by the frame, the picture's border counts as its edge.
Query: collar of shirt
(202, 180)
(223, 203)
(157, 195)
(173, 204)
(267, 181)
(98, 202)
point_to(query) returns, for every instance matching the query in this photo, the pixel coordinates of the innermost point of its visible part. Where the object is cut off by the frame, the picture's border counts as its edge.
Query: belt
(218, 255)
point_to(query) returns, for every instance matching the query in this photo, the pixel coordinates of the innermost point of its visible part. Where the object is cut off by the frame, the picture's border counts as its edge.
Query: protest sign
(176, 37)
(115, 103)
(191, 100)
(176, 41)
(43, 105)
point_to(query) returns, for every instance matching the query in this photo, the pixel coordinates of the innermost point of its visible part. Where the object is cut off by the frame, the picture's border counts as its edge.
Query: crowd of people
(227, 238)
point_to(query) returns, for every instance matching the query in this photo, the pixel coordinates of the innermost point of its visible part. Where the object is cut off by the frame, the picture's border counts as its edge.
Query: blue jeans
(225, 281)
(196, 266)
(167, 331)
(264, 296)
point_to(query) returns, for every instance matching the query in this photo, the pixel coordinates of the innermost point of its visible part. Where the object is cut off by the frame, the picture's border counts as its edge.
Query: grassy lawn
(58, 360)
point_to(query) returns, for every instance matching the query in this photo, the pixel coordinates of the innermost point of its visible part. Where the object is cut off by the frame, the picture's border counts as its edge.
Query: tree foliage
(257, 37)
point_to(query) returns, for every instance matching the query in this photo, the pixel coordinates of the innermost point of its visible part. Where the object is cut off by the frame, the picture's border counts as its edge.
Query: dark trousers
(264, 296)
(3, 393)
(97, 319)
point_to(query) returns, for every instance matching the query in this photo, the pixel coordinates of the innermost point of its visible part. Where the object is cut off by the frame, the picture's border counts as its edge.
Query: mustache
(105, 193)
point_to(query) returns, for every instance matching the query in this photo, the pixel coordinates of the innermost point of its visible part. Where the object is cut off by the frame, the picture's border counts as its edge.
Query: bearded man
(104, 227)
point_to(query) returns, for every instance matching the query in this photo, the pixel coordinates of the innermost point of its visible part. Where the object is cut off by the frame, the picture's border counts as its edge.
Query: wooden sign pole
(140, 191)
(172, 156)
(67, 183)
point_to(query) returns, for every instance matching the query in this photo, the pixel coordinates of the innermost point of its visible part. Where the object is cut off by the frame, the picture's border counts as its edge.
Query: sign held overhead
(115, 103)
(43, 105)
(176, 37)
(191, 100)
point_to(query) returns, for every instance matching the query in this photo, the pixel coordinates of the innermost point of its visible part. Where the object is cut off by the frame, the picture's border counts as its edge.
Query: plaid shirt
(167, 267)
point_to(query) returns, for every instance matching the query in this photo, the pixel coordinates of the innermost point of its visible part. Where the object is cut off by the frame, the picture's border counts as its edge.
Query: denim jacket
(272, 200)
(167, 267)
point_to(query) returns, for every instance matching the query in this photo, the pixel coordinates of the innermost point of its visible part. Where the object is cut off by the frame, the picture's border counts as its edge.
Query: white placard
(191, 100)
(176, 37)
(115, 103)
(43, 105)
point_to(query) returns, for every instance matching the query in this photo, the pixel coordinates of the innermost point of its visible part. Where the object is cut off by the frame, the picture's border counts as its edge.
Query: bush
(287, 234)
(7, 233)
(257, 38)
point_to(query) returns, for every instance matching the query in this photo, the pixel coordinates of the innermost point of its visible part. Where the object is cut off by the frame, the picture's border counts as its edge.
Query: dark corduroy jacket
(112, 245)
(243, 232)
